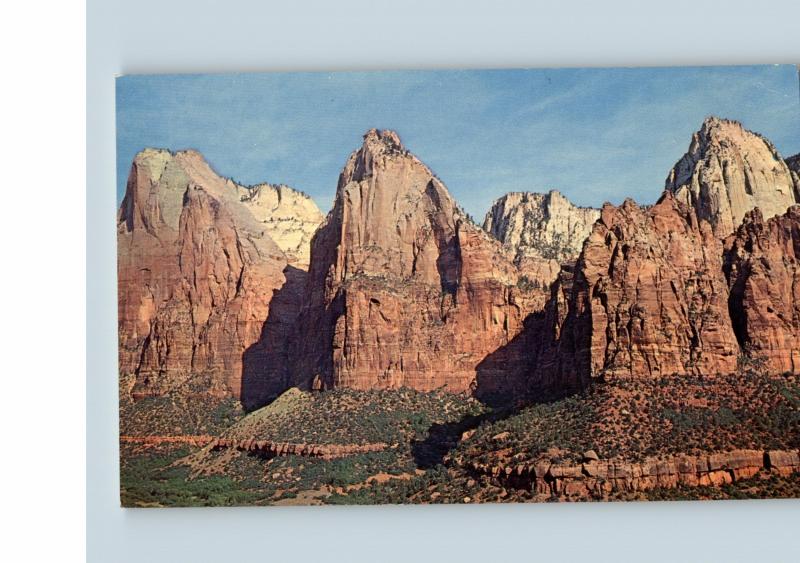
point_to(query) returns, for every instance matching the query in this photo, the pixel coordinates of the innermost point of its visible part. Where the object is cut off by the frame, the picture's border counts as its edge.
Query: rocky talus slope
(196, 275)
(402, 289)
(728, 171)
(540, 231)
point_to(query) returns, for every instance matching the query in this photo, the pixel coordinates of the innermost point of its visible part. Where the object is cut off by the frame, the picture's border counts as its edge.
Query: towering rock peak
(378, 145)
(535, 225)
(728, 171)
(383, 140)
(391, 215)
(159, 180)
(154, 193)
(398, 278)
(648, 299)
(197, 276)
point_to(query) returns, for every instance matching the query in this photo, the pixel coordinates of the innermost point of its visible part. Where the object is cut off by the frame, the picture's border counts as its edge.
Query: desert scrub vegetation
(171, 415)
(345, 416)
(759, 487)
(150, 478)
(430, 435)
(633, 419)
(564, 425)
(427, 487)
(526, 284)
(247, 478)
(294, 473)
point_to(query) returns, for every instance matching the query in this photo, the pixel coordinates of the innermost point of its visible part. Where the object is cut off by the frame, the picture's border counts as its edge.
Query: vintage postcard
(459, 286)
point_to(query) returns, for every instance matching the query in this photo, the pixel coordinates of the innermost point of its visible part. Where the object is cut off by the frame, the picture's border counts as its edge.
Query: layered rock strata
(273, 449)
(598, 478)
(155, 441)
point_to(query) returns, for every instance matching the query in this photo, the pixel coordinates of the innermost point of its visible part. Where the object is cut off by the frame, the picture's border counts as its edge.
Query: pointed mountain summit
(403, 289)
(391, 215)
(692, 285)
(728, 171)
(197, 274)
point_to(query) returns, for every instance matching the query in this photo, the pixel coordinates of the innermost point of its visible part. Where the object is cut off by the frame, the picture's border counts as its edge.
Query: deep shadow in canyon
(507, 379)
(265, 364)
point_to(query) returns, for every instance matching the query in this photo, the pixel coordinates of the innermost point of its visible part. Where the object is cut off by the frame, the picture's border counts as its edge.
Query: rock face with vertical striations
(403, 290)
(728, 171)
(197, 274)
(648, 298)
(540, 231)
(763, 268)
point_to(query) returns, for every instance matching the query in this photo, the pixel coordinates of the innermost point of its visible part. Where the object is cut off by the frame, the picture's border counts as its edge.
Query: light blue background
(148, 36)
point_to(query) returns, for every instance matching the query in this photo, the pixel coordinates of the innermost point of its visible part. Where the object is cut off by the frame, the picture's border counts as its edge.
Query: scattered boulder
(590, 455)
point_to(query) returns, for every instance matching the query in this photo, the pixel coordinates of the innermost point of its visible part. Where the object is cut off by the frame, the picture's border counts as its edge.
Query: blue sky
(594, 134)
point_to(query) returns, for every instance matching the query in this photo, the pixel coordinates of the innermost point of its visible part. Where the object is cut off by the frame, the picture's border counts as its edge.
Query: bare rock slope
(540, 231)
(728, 171)
(290, 218)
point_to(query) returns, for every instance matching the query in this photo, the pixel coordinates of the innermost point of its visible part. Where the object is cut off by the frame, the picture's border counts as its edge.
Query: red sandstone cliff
(763, 267)
(196, 276)
(648, 298)
(655, 292)
(403, 290)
